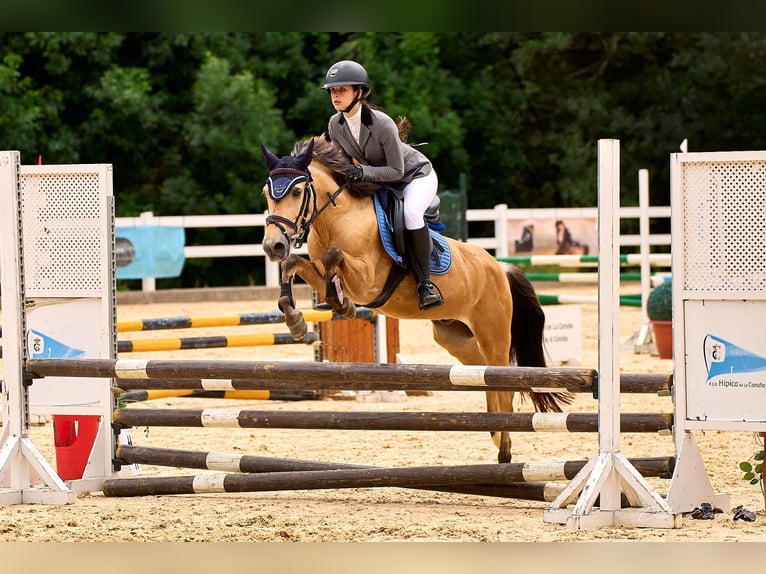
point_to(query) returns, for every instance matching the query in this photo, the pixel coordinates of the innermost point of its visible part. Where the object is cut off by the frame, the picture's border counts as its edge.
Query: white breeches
(417, 197)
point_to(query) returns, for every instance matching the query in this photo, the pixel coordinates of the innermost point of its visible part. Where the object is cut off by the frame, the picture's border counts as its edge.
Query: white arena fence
(500, 216)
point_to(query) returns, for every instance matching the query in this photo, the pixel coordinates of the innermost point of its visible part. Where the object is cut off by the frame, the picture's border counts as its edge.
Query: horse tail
(527, 337)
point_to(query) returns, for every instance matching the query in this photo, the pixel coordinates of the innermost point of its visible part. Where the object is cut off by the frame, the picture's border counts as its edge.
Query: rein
(331, 197)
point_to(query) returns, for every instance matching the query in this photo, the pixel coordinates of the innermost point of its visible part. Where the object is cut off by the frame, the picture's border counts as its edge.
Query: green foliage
(752, 469)
(659, 305)
(181, 115)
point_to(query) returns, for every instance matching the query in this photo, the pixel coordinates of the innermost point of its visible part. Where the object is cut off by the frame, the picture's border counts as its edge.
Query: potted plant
(659, 308)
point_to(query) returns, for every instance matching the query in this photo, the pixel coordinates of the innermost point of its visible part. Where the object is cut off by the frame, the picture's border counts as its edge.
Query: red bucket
(74, 437)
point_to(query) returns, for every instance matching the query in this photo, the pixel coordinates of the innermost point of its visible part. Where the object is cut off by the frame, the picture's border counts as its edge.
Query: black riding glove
(355, 172)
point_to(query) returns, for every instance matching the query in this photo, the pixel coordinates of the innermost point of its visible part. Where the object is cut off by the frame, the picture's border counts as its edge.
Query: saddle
(389, 210)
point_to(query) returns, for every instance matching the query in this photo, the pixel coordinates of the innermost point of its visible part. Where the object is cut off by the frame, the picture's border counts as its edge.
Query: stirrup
(428, 295)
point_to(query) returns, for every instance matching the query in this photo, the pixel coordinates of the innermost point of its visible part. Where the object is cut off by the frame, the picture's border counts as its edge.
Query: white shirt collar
(354, 124)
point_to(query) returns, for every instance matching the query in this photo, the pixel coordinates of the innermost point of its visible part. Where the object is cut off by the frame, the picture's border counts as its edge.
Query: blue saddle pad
(441, 256)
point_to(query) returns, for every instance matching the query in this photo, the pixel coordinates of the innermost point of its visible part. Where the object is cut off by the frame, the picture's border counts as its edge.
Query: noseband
(279, 183)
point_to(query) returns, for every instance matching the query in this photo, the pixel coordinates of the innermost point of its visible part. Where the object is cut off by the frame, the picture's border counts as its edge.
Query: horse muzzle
(277, 248)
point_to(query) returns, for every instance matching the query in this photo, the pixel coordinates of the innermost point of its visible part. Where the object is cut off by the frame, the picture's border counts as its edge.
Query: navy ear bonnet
(282, 179)
(287, 171)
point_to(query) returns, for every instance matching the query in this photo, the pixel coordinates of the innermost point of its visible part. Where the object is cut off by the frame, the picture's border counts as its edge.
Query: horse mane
(337, 161)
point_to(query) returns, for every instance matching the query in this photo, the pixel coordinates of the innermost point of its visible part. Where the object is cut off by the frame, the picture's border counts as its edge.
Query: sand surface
(384, 514)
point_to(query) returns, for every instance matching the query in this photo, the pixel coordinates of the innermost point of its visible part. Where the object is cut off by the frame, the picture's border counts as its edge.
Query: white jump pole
(610, 471)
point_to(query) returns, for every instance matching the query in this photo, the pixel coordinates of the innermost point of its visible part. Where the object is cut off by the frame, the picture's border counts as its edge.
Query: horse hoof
(348, 312)
(299, 332)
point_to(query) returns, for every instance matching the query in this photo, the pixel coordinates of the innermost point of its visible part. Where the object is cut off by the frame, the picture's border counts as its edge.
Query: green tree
(181, 115)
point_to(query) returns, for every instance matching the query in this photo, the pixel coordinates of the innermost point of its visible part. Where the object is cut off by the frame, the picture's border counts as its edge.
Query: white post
(22, 467)
(501, 230)
(273, 273)
(610, 471)
(381, 340)
(147, 283)
(644, 337)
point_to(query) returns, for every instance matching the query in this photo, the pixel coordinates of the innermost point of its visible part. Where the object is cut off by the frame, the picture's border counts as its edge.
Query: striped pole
(139, 374)
(588, 277)
(661, 467)
(391, 421)
(367, 477)
(410, 477)
(231, 320)
(374, 376)
(635, 383)
(182, 343)
(531, 491)
(258, 395)
(577, 277)
(661, 259)
(629, 300)
(532, 488)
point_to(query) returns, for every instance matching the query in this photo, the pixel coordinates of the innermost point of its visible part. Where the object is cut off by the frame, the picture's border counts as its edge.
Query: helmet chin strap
(356, 100)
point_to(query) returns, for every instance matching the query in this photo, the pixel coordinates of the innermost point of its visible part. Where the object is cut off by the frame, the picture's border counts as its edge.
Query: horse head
(291, 201)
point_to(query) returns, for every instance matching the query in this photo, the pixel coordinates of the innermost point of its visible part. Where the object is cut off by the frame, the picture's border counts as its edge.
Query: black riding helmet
(347, 73)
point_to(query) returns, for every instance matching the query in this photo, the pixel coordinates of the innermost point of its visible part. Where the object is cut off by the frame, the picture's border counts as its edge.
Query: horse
(490, 315)
(565, 245)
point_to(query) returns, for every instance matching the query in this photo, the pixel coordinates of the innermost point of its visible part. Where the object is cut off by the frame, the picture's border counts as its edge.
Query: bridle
(279, 183)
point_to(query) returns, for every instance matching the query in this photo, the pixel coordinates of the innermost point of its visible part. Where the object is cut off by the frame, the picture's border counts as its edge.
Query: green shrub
(659, 305)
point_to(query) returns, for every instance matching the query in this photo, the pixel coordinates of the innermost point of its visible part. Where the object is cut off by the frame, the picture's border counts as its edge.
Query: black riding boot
(428, 294)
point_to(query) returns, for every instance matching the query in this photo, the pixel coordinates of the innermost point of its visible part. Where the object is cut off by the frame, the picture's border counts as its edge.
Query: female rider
(371, 138)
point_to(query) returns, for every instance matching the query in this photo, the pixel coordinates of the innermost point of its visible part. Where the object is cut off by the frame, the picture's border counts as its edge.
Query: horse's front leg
(286, 303)
(342, 305)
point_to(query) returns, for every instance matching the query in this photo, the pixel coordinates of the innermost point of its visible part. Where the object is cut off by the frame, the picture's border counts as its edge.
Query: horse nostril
(276, 250)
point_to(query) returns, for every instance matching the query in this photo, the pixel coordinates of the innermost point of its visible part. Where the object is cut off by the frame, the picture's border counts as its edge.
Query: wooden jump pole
(244, 375)
(401, 376)
(629, 383)
(259, 395)
(410, 477)
(365, 477)
(537, 485)
(657, 466)
(433, 421)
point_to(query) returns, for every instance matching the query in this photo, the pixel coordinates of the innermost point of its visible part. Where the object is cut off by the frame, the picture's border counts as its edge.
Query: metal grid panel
(64, 216)
(725, 227)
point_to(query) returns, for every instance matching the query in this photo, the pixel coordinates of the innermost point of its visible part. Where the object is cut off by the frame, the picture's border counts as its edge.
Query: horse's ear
(306, 156)
(271, 159)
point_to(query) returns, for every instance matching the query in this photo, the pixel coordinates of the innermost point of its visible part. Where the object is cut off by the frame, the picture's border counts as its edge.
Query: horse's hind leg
(460, 342)
(501, 402)
(343, 306)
